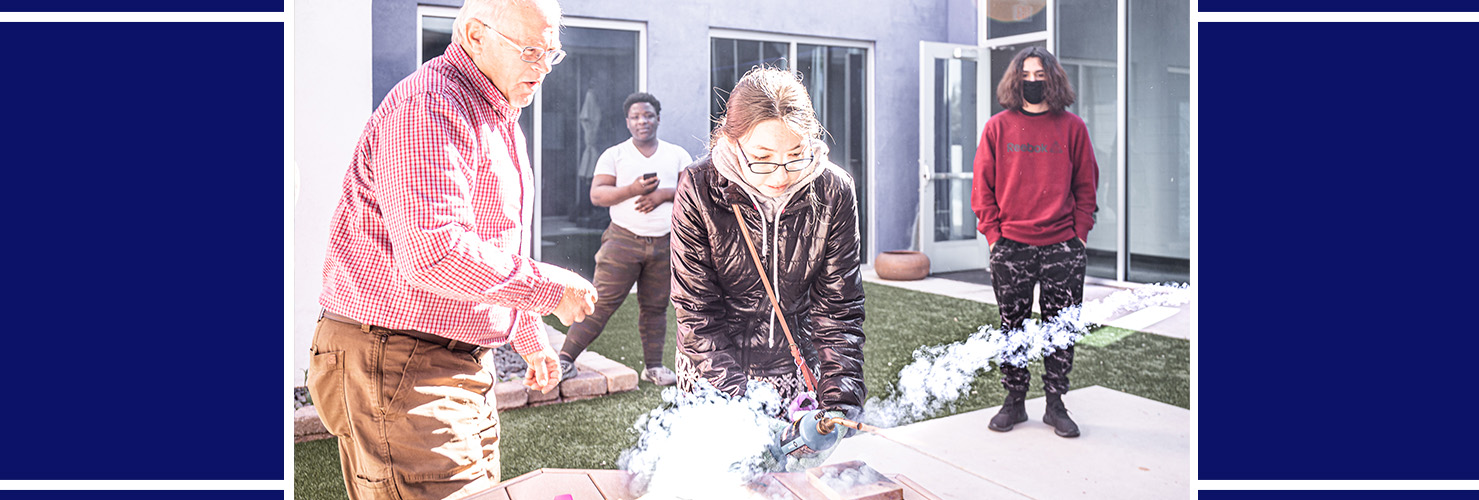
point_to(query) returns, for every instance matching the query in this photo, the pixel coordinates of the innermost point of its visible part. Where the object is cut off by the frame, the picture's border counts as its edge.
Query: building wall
(678, 69)
(331, 92)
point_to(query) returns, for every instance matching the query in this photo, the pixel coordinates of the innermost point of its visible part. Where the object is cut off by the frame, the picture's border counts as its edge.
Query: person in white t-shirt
(636, 179)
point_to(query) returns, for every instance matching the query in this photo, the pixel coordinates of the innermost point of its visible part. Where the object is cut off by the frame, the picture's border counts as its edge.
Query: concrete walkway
(1131, 447)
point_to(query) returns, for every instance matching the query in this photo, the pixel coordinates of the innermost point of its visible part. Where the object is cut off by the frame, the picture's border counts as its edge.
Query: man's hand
(642, 186)
(544, 370)
(649, 201)
(579, 298)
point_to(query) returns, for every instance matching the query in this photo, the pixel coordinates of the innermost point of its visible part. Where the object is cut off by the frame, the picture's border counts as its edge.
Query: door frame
(961, 254)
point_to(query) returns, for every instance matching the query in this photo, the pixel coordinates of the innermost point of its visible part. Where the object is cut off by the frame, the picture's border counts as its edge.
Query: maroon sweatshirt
(1035, 178)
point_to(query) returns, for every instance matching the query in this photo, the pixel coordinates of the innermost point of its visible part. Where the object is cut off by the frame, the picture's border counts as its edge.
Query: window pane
(955, 148)
(1015, 17)
(581, 117)
(1158, 143)
(436, 34)
(730, 59)
(1086, 48)
(836, 78)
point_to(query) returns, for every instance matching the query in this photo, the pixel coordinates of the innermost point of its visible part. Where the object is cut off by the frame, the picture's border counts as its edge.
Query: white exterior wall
(331, 101)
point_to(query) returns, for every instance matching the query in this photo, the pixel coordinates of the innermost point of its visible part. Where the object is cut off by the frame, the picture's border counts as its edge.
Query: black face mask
(1032, 92)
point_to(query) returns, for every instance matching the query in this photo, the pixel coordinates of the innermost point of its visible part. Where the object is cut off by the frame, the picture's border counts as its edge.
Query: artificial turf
(591, 434)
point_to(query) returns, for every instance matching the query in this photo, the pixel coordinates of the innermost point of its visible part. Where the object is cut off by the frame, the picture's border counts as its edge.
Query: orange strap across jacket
(811, 380)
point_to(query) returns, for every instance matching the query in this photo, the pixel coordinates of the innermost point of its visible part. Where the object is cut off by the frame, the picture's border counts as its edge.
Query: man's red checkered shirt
(433, 230)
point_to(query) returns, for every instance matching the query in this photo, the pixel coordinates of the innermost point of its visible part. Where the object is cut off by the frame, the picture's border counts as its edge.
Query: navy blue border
(1335, 6)
(145, 495)
(143, 200)
(1336, 196)
(144, 6)
(1337, 495)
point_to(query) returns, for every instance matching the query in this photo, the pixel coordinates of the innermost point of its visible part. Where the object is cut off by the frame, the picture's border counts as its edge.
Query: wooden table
(592, 484)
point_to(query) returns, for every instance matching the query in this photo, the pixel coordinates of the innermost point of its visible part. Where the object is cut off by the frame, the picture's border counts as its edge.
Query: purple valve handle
(566, 496)
(803, 403)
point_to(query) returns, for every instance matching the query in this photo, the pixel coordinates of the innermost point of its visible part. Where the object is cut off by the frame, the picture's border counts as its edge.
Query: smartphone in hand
(649, 175)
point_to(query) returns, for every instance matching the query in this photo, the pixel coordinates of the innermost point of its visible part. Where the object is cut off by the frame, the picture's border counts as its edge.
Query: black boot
(1013, 412)
(1057, 417)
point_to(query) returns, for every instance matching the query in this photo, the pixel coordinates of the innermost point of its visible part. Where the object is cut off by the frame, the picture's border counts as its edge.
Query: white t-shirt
(626, 163)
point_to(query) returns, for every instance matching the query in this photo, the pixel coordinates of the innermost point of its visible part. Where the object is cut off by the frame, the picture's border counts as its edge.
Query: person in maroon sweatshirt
(1033, 195)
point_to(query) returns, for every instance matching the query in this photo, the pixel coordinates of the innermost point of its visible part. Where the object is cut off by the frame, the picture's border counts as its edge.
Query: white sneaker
(660, 375)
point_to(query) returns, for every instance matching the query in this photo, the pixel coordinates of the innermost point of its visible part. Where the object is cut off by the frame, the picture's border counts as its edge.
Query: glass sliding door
(729, 60)
(579, 117)
(1086, 48)
(955, 150)
(1158, 141)
(836, 76)
(952, 111)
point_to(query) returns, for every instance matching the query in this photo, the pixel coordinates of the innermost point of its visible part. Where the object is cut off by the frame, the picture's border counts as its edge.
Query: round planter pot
(902, 265)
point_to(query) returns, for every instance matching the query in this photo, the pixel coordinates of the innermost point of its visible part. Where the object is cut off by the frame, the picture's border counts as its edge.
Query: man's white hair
(492, 11)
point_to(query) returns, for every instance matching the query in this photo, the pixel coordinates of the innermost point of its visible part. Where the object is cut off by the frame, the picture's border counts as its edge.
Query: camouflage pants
(1016, 268)
(625, 259)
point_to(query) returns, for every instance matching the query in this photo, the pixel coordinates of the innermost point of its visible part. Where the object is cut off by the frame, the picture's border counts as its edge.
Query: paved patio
(1131, 447)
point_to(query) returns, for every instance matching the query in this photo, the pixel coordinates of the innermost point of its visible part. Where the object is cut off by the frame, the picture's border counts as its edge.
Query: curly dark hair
(1058, 93)
(626, 107)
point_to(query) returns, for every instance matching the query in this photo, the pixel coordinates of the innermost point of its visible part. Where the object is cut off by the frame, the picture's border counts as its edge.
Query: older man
(427, 265)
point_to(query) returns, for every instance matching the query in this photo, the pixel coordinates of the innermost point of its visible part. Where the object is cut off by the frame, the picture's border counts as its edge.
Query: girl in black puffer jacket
(767, 169)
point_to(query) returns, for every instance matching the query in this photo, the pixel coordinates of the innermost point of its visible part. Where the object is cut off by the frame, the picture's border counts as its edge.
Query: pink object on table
(803, 403)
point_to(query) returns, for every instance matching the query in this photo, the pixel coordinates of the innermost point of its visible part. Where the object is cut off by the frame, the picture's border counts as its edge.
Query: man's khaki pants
(414, 419)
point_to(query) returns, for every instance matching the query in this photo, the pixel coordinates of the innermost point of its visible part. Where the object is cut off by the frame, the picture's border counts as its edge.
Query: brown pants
(414, 419)
(625, 259)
